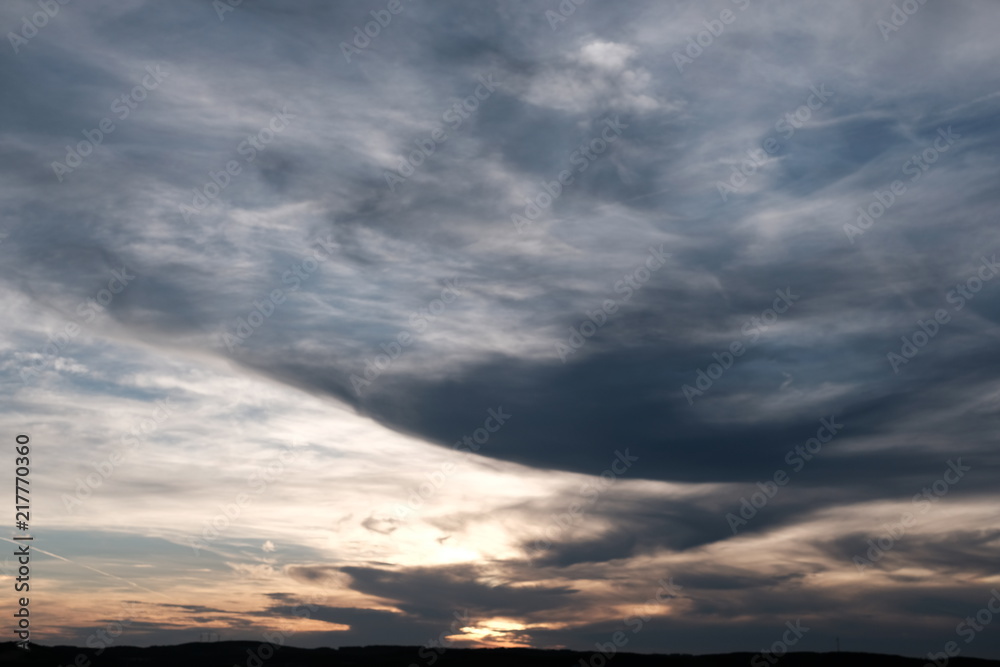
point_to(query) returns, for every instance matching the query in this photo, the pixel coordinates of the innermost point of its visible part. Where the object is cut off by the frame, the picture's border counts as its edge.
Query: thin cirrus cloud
(309, 250)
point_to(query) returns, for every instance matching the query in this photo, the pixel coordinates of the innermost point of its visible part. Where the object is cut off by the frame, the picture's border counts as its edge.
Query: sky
(519, 323)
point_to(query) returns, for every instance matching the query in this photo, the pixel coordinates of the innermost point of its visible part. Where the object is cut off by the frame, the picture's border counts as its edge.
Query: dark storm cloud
(430, 601)
(951, 552)
(437, 592)
(362, 621)
(196, 608)
(583, 401)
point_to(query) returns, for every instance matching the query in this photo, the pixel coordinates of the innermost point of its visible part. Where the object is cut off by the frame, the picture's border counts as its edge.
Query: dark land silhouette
(247, 654)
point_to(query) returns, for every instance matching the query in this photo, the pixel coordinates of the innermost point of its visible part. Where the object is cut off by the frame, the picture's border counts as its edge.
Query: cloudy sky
(512, 323)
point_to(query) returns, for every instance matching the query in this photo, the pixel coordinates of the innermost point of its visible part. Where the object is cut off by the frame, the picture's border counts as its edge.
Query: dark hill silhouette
(228, 654)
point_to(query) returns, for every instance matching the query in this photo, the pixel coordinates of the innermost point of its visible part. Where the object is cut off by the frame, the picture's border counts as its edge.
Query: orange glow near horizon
(494, 633)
